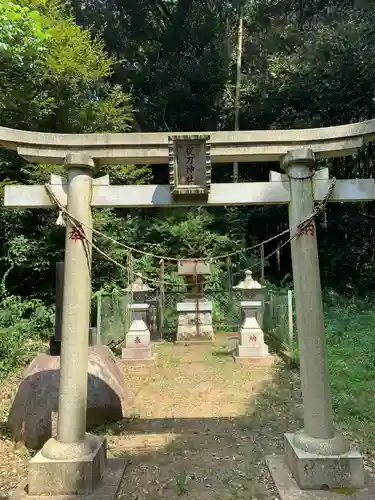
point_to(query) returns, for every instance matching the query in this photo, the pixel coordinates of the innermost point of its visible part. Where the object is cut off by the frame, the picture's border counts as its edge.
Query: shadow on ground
(193, 457)
(209, 458)
(5, 432)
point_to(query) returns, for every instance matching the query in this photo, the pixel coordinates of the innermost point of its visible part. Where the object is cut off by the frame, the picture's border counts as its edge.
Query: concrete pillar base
(288, 489)
(107, 487)
(68, 468)
(137, 354)
(337, 445)
(317, 471)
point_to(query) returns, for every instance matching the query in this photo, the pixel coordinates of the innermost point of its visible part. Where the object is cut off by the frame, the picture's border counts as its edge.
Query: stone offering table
(252, 345)
(195, 312)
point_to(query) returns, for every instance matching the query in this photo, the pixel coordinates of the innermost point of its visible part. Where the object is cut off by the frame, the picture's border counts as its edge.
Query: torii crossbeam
(316, 456)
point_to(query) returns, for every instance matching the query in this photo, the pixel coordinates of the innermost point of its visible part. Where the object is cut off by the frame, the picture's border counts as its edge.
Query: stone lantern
(252, 290)
(251, 334)
(139, 290)
(138, 339)
(195, 312)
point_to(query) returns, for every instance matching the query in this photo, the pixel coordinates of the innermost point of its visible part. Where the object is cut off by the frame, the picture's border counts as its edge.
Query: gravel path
(199, 426)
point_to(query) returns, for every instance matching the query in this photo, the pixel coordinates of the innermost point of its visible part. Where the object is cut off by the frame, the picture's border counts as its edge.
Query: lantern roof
(138, 286)
(248, 283)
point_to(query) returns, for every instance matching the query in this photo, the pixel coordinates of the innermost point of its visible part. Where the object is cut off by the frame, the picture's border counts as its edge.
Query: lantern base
(138, 354)
(247, 351)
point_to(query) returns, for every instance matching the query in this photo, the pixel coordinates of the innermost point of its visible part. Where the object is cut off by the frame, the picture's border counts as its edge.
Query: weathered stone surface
(288, 489)
(107, 487)
(30, 418)
(313, 471)
(192, 333)
(193, 325)
(247, 351)
(226, 146)
(189, 319)
(137, 353)
(75, 475)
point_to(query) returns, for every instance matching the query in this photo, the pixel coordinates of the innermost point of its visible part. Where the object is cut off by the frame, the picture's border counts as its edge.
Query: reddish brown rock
(31, 416)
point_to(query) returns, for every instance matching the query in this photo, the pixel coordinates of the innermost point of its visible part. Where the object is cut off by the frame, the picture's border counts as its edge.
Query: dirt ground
(199, 427)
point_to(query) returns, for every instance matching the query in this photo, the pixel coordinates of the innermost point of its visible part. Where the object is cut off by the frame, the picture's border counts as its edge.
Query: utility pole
(238, 86)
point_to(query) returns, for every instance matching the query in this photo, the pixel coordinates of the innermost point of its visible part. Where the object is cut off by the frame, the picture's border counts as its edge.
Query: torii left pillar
(74, 462)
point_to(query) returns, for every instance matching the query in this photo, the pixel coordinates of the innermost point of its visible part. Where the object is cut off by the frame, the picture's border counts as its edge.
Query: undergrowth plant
(24, 325)
(350, 327)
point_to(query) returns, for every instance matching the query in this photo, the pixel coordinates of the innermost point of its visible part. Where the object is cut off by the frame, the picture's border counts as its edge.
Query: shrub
(24, 324)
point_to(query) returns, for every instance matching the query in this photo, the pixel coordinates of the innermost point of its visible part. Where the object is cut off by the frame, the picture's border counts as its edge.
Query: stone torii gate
(74, 461)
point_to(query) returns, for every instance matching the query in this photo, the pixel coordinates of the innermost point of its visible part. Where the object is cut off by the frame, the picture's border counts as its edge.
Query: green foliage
(351, 350)
(23, 35)
(349, 327)
(304, 64)
(72, 53)
(53, 77)
(23, 325)
(181, 234)
(53, 73)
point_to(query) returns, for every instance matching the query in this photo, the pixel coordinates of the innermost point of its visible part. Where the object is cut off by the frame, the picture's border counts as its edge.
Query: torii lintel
(275, 192)
(152, 147)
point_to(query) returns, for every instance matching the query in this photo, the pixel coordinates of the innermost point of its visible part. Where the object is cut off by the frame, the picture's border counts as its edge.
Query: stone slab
(288, 489)
(191, 335)
(36, 400)
(195, 342)
(192, 319)
(137, 354)
(255, 351)
(191, 267)
(107, 488)
(139, 307)
(263, 361)
(313, 471)
(251, 304)
(72, 475)
(193, 306)
(140, 361)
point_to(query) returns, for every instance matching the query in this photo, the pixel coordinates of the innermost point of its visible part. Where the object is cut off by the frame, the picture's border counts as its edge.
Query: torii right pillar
(317, 456)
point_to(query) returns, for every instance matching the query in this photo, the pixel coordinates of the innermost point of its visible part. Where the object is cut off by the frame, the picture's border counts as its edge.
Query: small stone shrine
(252, 343)
(138, 339)
(195, 312)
